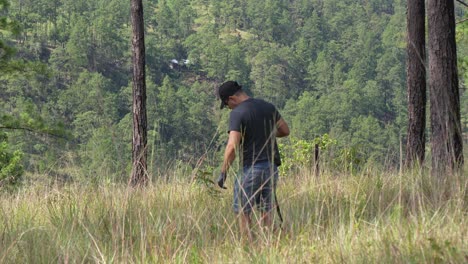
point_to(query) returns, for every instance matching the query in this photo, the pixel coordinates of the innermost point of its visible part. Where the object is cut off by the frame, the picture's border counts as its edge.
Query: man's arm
(230, 152)
(282, 128)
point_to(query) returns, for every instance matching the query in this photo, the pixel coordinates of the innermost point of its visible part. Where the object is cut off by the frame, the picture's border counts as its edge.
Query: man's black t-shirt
(256, 120)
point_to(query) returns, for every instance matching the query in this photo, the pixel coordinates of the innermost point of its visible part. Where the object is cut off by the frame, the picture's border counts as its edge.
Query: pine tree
(446, 133)
(139, 151)
(416, 82)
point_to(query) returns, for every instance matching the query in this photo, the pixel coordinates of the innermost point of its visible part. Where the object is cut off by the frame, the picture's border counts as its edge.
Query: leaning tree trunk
(416, 82)
(139, 151)
(446, 133)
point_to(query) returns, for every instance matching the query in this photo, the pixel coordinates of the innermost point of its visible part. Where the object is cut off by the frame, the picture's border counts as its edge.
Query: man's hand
(221, 180)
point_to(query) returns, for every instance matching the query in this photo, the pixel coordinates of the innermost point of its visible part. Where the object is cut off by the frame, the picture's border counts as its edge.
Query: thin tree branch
(466, 5)
(463, 3)
(34, 131)
(461, 21)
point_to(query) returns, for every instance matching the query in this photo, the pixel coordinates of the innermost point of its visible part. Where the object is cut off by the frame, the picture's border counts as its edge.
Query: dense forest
(334, 68)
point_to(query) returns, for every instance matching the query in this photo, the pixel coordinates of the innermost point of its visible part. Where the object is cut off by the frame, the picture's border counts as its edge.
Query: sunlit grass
(373, 217)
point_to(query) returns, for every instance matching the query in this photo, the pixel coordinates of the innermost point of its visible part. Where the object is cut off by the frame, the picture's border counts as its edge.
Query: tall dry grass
(372, 217)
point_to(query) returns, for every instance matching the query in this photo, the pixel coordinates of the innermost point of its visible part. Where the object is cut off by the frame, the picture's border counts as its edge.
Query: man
(254, 125)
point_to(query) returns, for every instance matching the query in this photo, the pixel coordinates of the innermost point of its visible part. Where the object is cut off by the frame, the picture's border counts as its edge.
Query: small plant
(203, 177)
(299, 153)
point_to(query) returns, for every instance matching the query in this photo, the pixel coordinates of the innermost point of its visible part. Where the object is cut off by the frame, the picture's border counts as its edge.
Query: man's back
(256, 120)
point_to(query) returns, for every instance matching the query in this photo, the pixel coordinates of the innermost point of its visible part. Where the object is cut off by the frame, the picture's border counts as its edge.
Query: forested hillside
(334, 67)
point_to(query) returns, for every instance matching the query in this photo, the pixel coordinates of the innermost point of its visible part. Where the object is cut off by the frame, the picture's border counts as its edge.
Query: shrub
(11, 169)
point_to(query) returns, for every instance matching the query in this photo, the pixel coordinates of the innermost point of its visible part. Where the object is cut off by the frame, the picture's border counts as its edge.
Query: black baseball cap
(227, 89)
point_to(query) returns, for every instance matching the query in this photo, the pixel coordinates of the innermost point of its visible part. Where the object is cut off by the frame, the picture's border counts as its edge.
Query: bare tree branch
(463, 3)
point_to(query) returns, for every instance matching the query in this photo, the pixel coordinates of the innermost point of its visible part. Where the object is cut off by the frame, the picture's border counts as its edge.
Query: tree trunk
(416, 82)
(446, 132)
(139, 151)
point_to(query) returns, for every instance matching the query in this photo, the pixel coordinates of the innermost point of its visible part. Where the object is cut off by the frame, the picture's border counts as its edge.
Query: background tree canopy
(334, 67)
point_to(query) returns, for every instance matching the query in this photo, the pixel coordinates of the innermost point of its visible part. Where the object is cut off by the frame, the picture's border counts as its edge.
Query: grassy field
(373, 217)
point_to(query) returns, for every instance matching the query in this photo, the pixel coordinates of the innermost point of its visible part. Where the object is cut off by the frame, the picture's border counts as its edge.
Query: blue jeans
(254, 186)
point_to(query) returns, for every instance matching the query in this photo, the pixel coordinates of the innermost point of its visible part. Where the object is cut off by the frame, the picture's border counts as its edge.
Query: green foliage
(7, 26)
(276, 75)
(106, 155)
(79, 46)
(462, 52)
(180, 127)
(11, 168)
(300, 153)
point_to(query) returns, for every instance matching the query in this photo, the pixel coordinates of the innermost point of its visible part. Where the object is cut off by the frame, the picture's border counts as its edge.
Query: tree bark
(139, 151)
(446, 132)
(416, 82)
